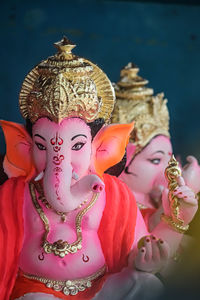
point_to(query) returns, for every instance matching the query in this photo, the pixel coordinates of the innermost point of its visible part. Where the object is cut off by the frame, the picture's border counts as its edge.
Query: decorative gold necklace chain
(60, 247)
(39, 189)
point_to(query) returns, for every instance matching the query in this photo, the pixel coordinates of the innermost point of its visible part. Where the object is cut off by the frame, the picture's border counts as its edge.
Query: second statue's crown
(136, 102)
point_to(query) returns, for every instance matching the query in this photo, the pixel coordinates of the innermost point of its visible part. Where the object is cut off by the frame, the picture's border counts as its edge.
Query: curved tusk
(75, 175)
(39, 176)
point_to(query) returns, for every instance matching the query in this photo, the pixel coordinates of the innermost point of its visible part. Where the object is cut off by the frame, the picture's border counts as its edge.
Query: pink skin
(148, 183)
(188, 201)
(153, 255)
(63, 152)
(58, 150)
(151, 162)
(66, 160)
(66, 146)
(47, 155)
(89, 259)
(191, 173)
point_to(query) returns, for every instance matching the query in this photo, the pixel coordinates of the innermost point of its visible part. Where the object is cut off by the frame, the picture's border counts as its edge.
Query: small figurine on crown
(149, 149)
(68, 229)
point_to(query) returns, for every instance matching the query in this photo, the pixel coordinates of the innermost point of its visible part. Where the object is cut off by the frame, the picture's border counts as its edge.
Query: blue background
(162, 39)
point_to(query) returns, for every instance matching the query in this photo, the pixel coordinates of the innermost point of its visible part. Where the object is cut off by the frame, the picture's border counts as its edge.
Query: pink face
(146, 170)
(67, 143)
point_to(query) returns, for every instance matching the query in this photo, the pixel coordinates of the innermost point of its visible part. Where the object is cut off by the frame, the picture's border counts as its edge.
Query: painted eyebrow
(40, 136)
(159, 151)
(77, 136)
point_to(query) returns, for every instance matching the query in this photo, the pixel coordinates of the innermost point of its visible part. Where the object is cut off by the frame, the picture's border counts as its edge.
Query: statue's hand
(188, 201)
(156, 195)
(153, 256)
(191, 173)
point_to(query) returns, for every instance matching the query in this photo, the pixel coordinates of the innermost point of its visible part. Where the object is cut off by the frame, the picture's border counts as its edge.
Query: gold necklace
(39, 189)
(60, 247)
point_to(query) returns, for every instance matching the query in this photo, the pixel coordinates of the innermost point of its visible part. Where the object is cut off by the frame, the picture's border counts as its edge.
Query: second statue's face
(146, 170)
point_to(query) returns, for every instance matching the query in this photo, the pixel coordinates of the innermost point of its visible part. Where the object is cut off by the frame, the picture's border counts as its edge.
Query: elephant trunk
(63, 196)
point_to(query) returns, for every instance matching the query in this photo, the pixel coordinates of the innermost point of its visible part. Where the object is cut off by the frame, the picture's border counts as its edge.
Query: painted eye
(155, 161)
(40, 146)
(78, 146)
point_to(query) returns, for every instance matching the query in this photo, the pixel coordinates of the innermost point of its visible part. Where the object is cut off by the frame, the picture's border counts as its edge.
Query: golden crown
(65, 85)
(136, 102)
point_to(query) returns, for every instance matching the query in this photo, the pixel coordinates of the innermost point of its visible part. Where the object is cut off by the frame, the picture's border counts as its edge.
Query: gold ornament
(172, 172)
(136, 102)
(61, 248)
(69, 287)
(39, 189)
(141, 206)
(65, 85)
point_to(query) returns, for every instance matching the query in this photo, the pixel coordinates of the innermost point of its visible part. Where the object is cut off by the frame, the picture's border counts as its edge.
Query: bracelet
(177, 227)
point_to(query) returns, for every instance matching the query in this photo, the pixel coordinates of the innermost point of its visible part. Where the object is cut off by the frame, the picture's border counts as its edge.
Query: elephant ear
(108, 146)
(18, 160)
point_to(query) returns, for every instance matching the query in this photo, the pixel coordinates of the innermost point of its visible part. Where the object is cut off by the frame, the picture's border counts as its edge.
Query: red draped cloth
(11, 233)
(146, 214)
(116, 233)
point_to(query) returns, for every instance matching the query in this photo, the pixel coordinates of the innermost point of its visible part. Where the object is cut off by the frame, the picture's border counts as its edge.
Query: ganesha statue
(67, 230)
(150, 148)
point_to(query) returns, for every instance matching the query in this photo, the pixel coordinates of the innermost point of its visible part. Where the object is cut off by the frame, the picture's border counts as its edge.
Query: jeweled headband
(65, 85)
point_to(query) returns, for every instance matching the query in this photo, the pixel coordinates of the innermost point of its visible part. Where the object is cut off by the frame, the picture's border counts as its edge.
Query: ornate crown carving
(135, 102)
(65, 85)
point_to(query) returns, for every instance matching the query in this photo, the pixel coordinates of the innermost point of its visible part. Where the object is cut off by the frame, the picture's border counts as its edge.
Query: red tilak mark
(41, 256)
(56, 149)
(58, 159)
(52, 141)
(85, 258)
(57, 140)
(57, 169)
(57, 179)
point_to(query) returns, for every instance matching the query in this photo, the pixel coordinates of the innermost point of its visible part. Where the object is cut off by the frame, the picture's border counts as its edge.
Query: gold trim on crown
(65, 85)
(136, 102)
